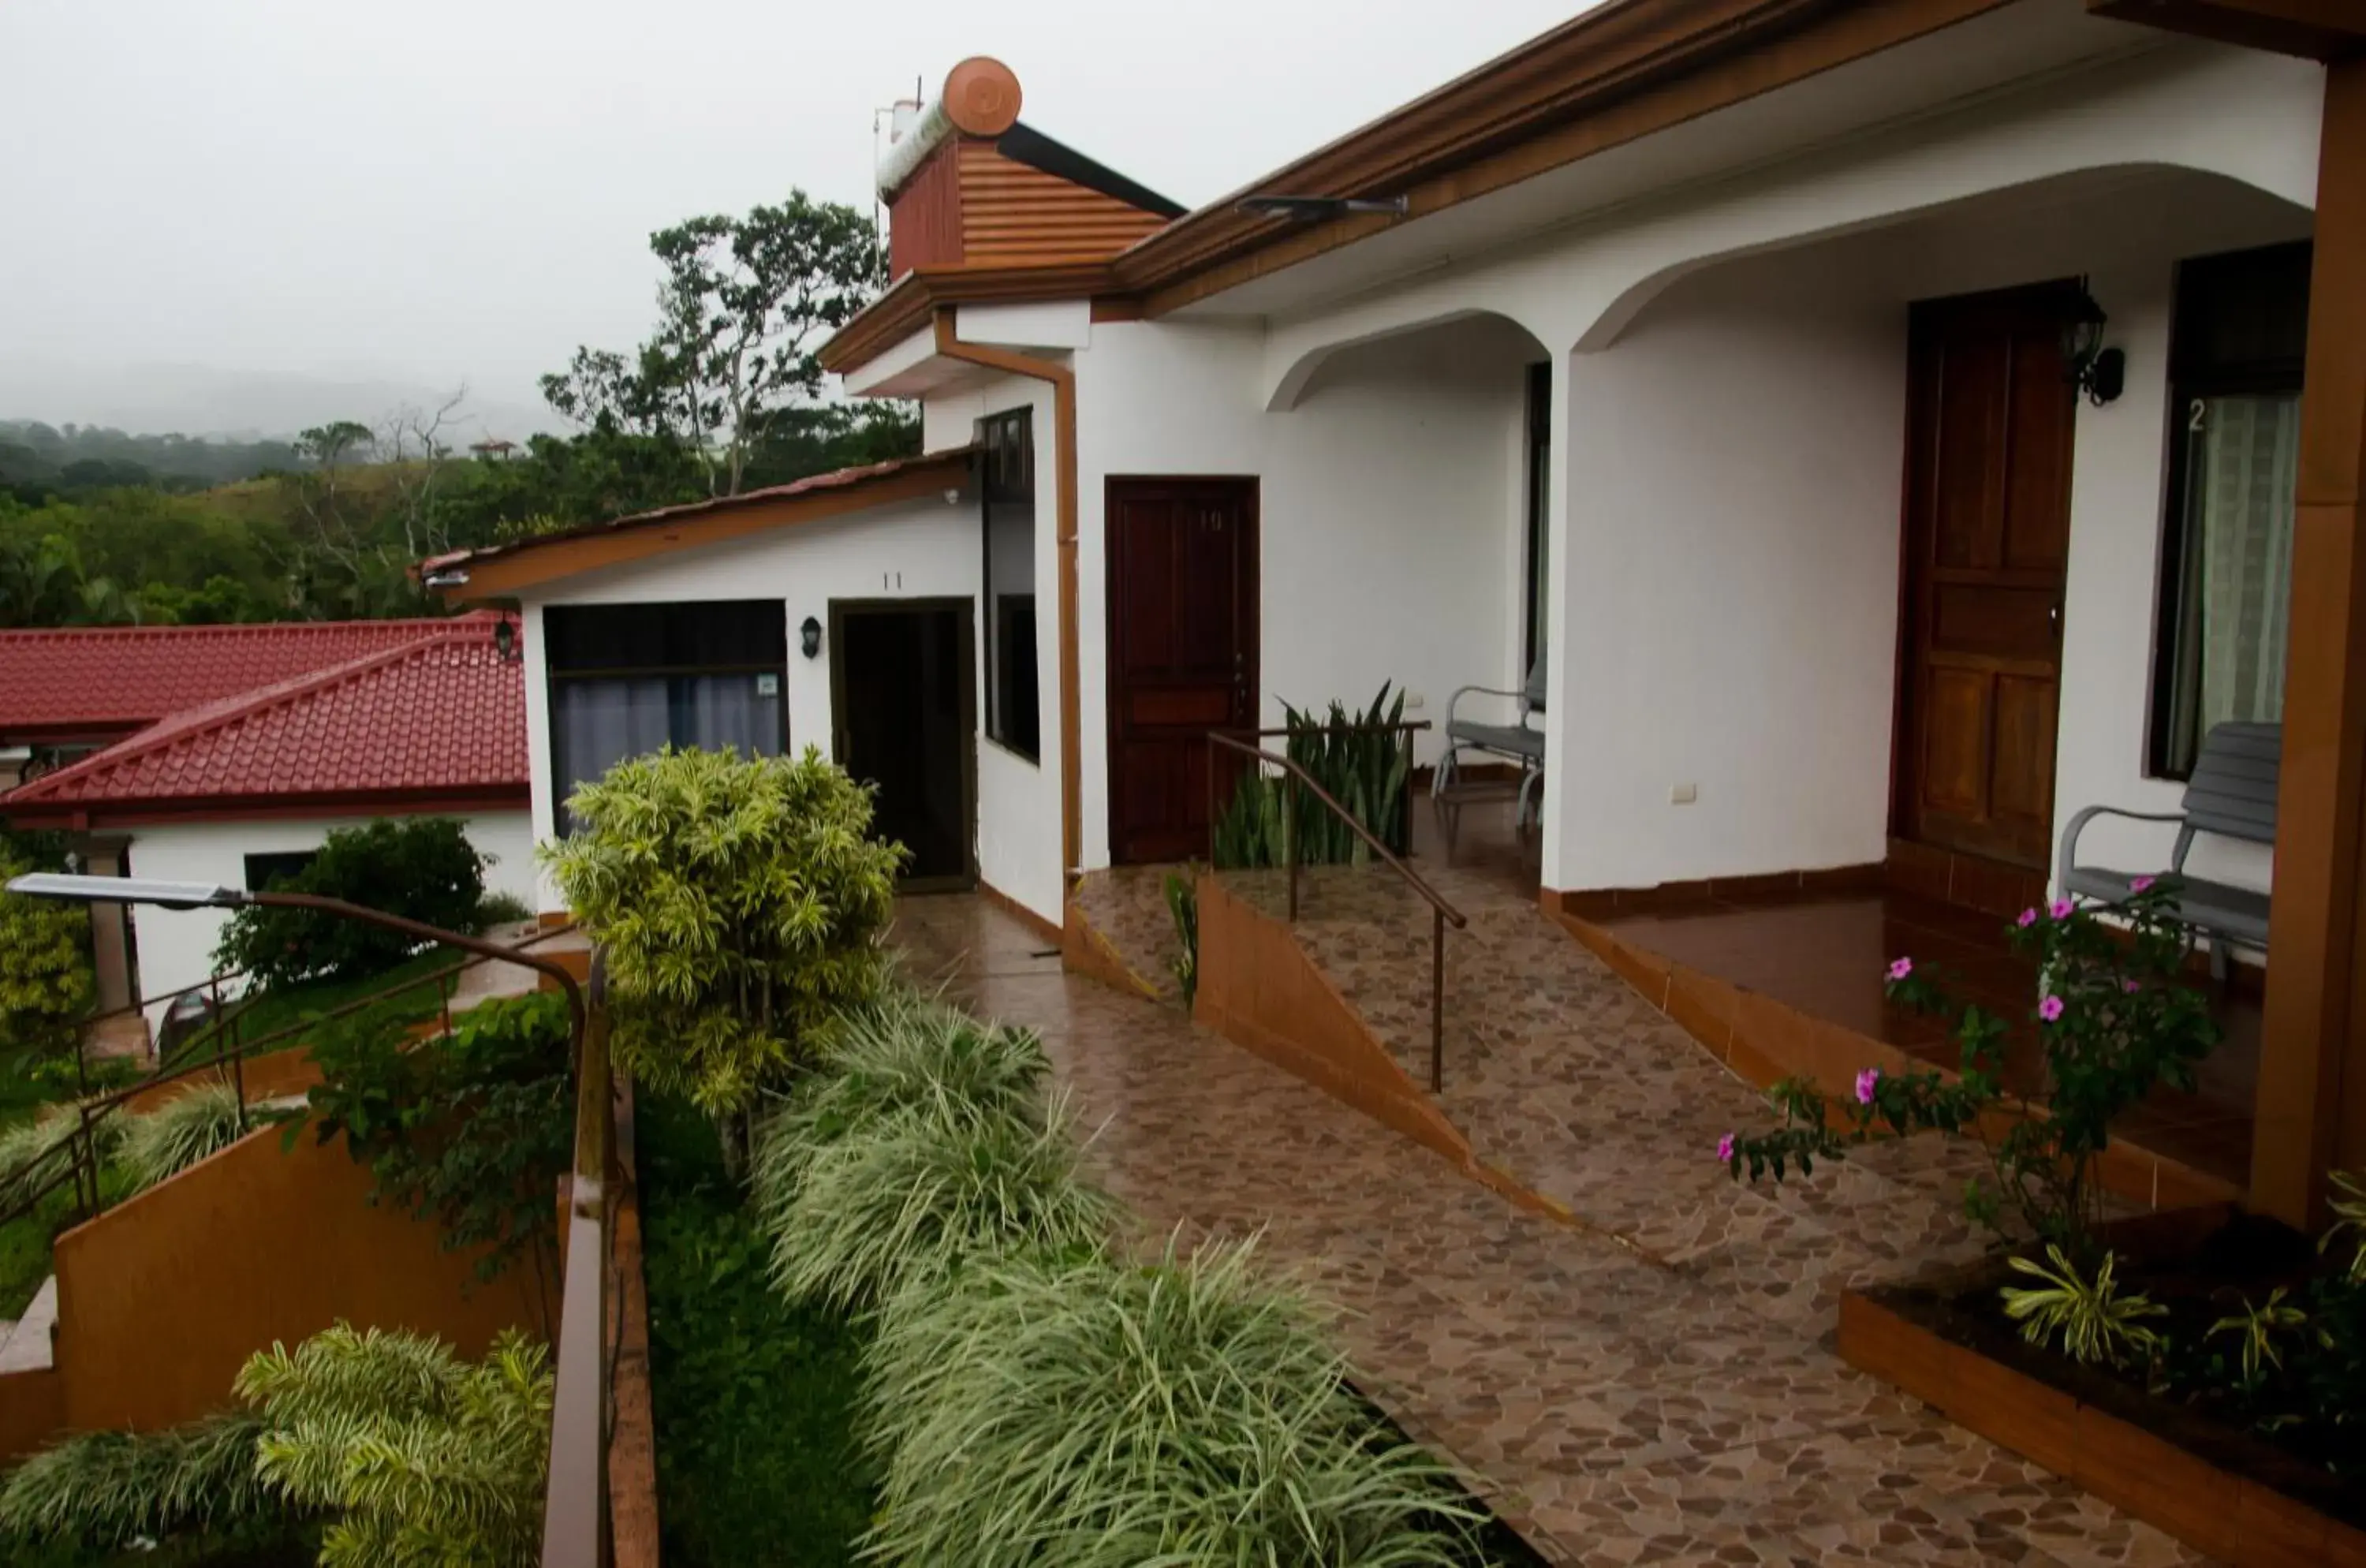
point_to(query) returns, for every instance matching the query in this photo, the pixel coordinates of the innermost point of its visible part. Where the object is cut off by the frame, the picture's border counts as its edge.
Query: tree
(738, 903)
(45, 975)
(743, 306)
(421, 868)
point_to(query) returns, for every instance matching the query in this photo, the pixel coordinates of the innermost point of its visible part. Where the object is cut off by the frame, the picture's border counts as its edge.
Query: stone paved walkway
(1667, 1398)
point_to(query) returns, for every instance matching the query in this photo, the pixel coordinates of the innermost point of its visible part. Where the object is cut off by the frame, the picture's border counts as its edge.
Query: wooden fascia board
(919, 295)
(2313, 29)
(539, 563)
(1657, 78)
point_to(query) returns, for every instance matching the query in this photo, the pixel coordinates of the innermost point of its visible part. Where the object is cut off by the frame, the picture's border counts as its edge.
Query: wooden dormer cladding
(994, 192)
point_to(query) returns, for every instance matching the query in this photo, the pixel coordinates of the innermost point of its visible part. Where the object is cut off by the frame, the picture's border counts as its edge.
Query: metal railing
(1295, 778)
(583, 1416)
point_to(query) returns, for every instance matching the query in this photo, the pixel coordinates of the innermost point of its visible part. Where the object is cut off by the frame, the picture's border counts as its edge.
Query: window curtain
(601, 723)
(2246, 479)
(715, 711)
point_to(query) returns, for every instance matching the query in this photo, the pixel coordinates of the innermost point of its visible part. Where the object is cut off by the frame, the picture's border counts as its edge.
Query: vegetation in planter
(203, 1119)
(1081, 1411)
(502, 909)
(2093, 1318)
(739, 902)
(45, 973)
(1366, 768)
(472, 1131)
(106, 1490)
(1183, 903)
(755, 1397)
(414, 1455)
(422, 868)
(2113, 1022)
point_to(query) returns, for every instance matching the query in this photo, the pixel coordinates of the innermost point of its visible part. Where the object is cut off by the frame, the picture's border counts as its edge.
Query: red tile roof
(435, 722)
(87, 680)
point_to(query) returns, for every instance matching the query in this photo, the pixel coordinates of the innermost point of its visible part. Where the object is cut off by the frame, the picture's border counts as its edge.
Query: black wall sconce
(505, 641)
(809, 637)
(2100, 373)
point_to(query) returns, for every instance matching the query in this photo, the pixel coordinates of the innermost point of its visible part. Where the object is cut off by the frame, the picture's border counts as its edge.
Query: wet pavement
(1653, 1384)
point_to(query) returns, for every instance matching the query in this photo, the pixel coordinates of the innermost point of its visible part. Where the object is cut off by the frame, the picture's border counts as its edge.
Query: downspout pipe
(1062, 381)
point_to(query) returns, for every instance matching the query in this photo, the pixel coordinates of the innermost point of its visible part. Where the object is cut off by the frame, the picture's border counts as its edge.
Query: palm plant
(420, 1457)
(110, 1488)
(900, 1203)
(202, 1119)
(1080, 1411)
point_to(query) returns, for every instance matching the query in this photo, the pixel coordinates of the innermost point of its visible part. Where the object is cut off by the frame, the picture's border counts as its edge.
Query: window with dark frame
(1539, 529)
(1013, 712)
(281, 866)
(2237, 348)
(626, 679)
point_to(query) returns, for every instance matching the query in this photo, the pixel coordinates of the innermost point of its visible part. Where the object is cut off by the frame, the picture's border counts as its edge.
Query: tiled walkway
(1669, 1398)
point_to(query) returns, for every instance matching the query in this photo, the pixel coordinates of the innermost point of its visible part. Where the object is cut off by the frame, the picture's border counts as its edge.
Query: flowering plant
(2111, 1021)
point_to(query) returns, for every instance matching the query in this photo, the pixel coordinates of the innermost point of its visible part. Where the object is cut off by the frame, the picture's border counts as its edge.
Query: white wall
(1390, 508)
(1730, 582)
(176, 945)
(925, 549)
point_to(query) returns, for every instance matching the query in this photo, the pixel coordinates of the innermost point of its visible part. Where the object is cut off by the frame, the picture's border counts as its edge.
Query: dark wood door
(1987, 539)
(1182, 653)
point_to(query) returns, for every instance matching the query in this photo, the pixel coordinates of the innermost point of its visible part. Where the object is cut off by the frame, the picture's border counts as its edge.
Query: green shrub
(419, 1458)
(502, 909)
(110, 1488)
(26, 1146)
(899, 1205)
(1075, 1413)
(739, 904)
(1364, 767)
(472, 1131)
(45, 975)
(199, 1121)
(906, 1051)
(421, 868)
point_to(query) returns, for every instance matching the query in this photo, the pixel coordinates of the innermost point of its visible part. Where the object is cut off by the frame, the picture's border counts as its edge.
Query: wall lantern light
(505, 648)
(2100, 373)
(810, 635)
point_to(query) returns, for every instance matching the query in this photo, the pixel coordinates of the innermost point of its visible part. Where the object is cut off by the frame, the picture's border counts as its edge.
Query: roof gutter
(1062, 382)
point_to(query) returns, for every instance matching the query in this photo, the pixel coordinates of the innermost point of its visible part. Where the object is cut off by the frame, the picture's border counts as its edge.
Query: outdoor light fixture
(809, 635)
(453, 577)
(505, 648)
(2100, 373)
(1310, 207)
(127, 890)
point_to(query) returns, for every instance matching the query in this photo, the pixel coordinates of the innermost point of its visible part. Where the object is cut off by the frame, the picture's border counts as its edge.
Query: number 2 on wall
(2196, 415)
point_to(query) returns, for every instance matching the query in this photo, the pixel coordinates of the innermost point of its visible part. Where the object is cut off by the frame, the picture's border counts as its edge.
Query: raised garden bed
(2224, 1490)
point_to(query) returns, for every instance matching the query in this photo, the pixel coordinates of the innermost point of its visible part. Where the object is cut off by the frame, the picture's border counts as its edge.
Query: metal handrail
(1441, 913)
(1405, 727)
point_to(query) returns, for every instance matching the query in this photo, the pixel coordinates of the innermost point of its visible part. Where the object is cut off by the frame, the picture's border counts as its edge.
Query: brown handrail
(1296, 777)
(1405, 727)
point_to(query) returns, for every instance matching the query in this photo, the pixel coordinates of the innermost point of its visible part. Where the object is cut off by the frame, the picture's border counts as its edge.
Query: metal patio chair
(1517, 742)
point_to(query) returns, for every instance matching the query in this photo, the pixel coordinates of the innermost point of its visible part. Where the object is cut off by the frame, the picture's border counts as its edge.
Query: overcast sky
(206, 198)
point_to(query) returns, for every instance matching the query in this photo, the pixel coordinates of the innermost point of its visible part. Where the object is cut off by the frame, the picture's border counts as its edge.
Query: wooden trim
(632, 1443)
(2315, 30)
(1615, 74)
(630, 539)
(2310, 1113)
(1053, 935)
(1064, 418)
(2216, 1511)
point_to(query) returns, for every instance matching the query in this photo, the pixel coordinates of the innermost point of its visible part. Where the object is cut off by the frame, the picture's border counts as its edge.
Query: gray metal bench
(1516, 741)
(2232, 794)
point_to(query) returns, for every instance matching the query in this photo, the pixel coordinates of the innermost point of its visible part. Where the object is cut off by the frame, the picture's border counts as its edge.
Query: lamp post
(207, 895)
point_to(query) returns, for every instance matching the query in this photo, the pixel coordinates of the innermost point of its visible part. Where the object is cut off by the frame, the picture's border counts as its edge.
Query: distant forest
(102, 527)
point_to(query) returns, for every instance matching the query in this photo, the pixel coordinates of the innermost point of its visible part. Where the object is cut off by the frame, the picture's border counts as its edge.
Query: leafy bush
(472, 1131)
(26, 1146)
(2114, 1023)
(420, 1457)
(900, 1204)
(421, 868)
(502, 909)
(45, 975)
(1084, 1412)
(1365, 768)
(110, 1488)
(738, 903)
(199, 1121)
(2094, 1318)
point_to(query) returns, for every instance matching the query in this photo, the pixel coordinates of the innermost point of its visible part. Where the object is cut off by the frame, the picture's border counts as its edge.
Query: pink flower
(2050, 1008)
(2028, 918)
(1867, 1082)
(1901, 968)
(2060, 909)
(1725, 1150)
(2131, 986)
(2139, 884)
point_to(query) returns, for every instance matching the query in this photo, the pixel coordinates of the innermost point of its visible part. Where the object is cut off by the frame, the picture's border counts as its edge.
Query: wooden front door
(1182, 653)
(1987, 539)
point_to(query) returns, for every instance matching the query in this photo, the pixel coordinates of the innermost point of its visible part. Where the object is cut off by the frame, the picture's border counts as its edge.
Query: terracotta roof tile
(440, 716)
